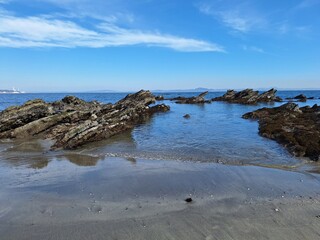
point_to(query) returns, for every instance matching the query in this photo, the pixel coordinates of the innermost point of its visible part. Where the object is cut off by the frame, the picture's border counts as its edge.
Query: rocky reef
(249, 96)
(72, 122)
(192, 100)
(298, 129)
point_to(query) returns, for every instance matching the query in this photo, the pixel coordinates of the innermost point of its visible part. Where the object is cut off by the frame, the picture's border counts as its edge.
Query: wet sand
(76, 197)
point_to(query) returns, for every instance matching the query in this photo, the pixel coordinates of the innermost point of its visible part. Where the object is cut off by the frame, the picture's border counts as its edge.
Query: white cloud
(239, 18)
(235, 21)
(23, 32)
(253, 49)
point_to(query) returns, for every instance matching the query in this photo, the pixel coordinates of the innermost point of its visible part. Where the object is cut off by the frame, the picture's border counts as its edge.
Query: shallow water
(214, 133)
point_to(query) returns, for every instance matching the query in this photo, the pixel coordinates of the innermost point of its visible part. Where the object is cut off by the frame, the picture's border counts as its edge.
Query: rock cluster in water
(72, 122)
(299, 98)
(249, 96)
(192, 100)
(298, 129)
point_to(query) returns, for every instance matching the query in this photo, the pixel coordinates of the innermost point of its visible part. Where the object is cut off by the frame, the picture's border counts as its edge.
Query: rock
(159, 108)
(160, 98)
(192, 100)
(301, 98)
(298, 129)
(15, 117)
(186, 116)
(248, 96)
(188, 200)
(269, 96)
(311, 98)
(73, 122)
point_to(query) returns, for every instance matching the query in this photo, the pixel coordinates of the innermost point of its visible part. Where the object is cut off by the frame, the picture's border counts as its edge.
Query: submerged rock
(73, 122)
(298, 129)
(192, 100)
(249, 96)
(187, 116)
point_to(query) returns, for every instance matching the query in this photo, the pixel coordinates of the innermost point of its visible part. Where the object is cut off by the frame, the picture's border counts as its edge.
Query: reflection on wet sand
(32, 153)
(81, 160)
(36, 153)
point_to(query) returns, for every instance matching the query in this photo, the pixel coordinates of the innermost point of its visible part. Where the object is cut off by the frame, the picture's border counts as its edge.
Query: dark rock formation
(248, 96)
(73, 122)
(192, 100)
(187, 116)
(298, 129)
(299, 98)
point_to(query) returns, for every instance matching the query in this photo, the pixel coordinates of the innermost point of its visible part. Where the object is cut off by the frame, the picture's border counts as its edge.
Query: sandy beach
(118, 198)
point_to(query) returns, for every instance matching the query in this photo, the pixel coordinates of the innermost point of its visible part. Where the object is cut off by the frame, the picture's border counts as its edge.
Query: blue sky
(80, 45)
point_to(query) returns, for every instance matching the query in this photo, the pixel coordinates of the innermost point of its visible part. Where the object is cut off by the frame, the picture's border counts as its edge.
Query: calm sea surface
(214, 133)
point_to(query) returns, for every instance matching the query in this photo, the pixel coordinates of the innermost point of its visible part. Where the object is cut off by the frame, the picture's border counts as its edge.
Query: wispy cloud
(41, 31)
(253, 49)
(235, 21)
(248, 16)
(239, 18)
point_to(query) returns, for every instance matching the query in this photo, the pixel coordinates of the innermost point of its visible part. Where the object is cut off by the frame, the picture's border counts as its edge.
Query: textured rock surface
(248, 96)
(73, 122)
(192, 100)
(298, 129)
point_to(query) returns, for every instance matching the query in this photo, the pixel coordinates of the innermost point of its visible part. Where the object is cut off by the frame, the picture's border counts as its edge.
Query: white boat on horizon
(13, 91)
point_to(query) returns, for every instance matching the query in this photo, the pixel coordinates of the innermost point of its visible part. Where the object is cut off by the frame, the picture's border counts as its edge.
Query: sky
(127, 45)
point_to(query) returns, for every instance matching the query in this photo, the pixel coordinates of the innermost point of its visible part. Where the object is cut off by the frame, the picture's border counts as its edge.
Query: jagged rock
(192, 100)
(298, 129)
(248, 96)
(73, 122)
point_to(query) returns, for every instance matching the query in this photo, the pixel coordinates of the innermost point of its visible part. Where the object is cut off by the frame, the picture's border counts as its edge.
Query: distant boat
(13, 91)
